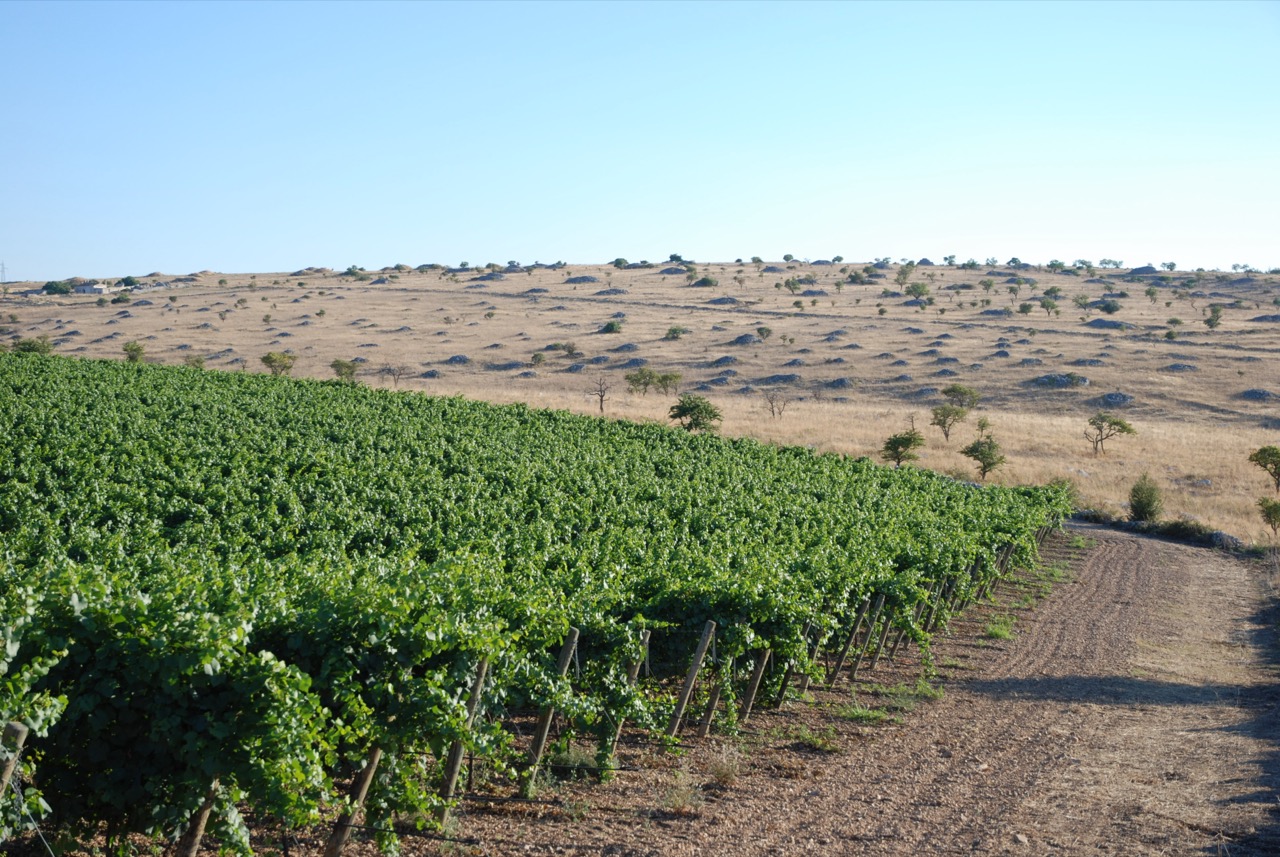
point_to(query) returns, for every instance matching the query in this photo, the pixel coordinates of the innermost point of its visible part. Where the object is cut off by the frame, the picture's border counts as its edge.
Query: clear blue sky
(272, 136)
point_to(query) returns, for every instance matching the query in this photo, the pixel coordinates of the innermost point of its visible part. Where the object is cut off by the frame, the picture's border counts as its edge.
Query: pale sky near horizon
(272, 136)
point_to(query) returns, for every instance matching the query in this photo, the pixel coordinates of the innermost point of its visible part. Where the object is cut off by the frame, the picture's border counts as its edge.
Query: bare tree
(395, 372)
(600, 390)
(777, 402)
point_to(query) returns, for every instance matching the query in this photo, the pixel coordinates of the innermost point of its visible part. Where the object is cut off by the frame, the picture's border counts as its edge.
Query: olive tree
(985, 452)
(695, 413)
(902, 447)
(1270, 511)
(1268, 458)
(961, 396)
(1103, 427)
(279, 362)
(945, 417)
(345, 370)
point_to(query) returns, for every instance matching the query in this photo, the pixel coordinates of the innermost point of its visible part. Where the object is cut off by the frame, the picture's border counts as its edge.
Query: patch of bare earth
(1132, 712)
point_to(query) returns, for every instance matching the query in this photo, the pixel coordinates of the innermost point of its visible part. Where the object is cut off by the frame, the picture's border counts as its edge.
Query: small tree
(1145, 500)
(279, 362)
(1270, 511)
(194, 361)
(394, 371)
(33, 345)
(695, 413)
(612, 327)
(764, 332)
(1268, 458)
(641, 380)
(1049, 305)
(777, 402)
(133, 352)
(600, 389)
(1103, 427)
(668, 382)
(945, 417)
(1214, 319)
(902, 446)
(674, 333)
(961, 396)
(985, 452)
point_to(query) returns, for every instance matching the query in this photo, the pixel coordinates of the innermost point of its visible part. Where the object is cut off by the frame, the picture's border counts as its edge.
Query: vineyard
(228, 593)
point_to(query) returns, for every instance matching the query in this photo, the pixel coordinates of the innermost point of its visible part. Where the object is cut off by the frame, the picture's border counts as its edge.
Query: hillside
(847, 363)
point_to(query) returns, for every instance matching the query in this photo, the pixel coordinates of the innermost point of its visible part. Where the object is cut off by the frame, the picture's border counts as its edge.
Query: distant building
(95, 289)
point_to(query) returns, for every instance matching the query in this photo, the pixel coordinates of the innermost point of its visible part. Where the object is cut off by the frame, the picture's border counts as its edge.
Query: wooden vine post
(543, 728)
(848, 642)
(713, 700)
(790, 670)
(762, 660)
(453, 764)
(708, 631)
(633, 675)
(359, 790)
(871, 629)
(886, 627)
(15, 735)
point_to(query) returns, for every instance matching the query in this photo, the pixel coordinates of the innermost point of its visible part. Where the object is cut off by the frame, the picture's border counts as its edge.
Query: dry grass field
(851, 362)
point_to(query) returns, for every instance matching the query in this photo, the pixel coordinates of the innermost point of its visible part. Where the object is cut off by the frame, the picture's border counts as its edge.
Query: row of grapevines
(238, 585)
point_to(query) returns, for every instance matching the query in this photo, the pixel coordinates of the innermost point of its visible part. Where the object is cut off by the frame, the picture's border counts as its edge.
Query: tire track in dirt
(1132, 713)
(1042, 749)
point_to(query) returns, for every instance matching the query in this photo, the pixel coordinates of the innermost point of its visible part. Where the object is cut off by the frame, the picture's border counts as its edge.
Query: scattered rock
(625, 348)
(780, 379)
(603, 293)
(1116, 399)
(1180, 367)
(1145, 269)
(633, 363)
(1225, 541)
(724, 361)
(1270, 319)
(1258, 395)
(574, 281)
(458, 360)
(1060, 380)
(746, 339)
(1109, 324)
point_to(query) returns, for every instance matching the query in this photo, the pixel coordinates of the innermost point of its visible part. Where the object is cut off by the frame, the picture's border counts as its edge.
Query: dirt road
(1134, 711)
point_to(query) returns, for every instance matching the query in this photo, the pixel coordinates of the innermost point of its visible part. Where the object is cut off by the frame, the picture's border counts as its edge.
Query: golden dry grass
(1194, 430)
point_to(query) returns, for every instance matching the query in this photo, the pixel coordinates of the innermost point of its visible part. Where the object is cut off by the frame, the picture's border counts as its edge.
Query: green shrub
(1145, 500)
